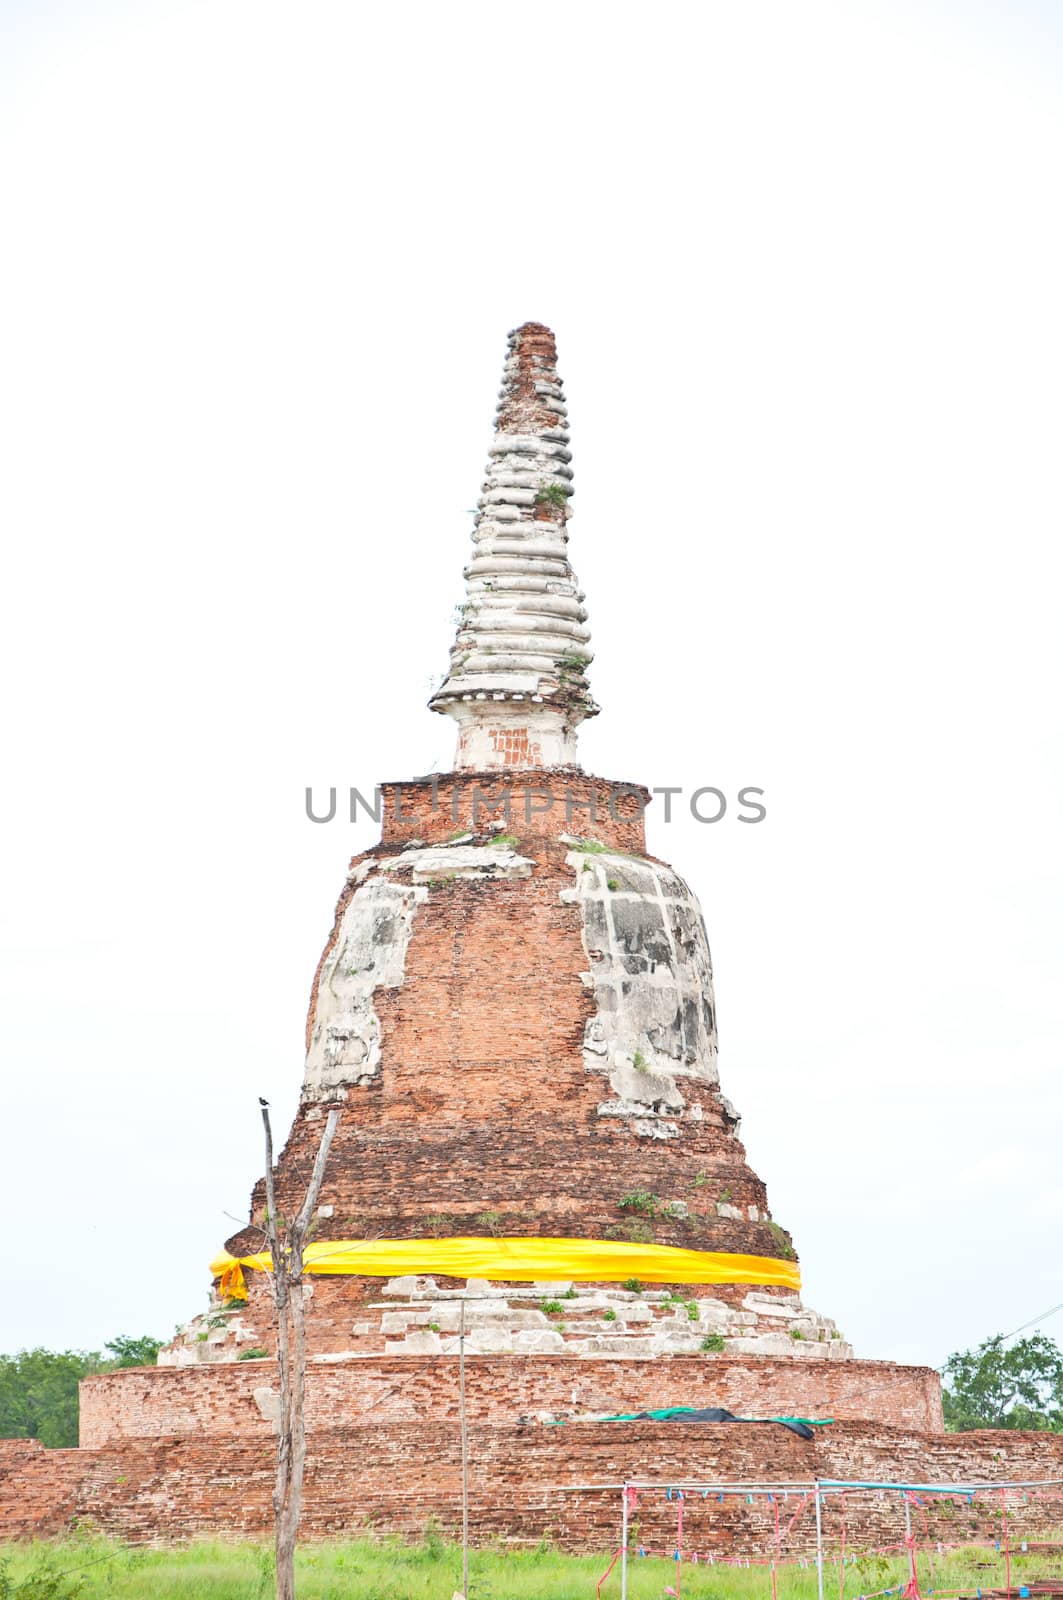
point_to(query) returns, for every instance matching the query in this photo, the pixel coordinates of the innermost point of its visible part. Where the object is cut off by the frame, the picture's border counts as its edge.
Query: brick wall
(395, 1478)
(542, 804)
(484, 1106)
(219, 1401)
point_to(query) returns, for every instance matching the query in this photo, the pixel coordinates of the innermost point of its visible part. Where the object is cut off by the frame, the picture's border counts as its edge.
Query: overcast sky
(804, 267)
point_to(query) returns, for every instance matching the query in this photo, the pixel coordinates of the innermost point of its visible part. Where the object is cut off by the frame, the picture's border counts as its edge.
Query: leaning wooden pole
(286, 1243)
(464, 1456)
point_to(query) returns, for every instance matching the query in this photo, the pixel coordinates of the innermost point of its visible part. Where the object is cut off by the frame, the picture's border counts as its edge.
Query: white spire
(517, 683)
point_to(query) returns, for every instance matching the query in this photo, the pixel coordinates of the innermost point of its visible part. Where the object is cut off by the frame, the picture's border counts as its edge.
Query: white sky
(804, 265)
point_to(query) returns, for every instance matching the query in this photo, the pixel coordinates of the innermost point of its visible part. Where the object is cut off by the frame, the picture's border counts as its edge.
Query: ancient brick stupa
(515, 1012)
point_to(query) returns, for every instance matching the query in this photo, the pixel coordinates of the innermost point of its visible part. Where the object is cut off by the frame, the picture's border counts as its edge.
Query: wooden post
(286, 1244)
(464, 1456)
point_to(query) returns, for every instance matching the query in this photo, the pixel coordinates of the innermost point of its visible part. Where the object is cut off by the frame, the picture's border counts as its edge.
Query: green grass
(387, 1569)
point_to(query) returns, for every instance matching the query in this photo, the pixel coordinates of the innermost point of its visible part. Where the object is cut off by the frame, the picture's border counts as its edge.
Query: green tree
(1020, 1386)
(140, 1352)
(39, 1388)
(39, 1394)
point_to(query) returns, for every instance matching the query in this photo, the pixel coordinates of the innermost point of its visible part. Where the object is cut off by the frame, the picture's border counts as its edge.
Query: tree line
(39, 1388)
(1005, 1385)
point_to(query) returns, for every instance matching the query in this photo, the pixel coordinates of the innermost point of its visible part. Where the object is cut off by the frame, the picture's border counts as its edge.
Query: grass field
(389, 1570)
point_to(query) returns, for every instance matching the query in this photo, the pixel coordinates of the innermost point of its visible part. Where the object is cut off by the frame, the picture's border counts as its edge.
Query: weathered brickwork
(517, 683)
(515, 1013)
(232, 1399)
(483, 1115)
(514, 1008)
(388, 1477)
(536, 803)
(420, 1316)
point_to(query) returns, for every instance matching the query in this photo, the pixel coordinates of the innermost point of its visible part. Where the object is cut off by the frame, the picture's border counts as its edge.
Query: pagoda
(536, 1206)
(514, 1011)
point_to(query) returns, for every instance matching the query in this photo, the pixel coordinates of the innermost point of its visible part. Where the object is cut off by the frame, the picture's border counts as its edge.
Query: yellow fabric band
(518, 1261)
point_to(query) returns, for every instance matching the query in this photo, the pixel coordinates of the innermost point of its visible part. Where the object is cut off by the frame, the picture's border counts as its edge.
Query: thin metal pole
(623, 1544)
(836, 1485)
(908, 1545)
(464, 1457)
(819, 1542)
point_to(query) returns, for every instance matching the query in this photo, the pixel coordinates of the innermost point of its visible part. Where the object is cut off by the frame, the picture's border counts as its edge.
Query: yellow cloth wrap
(518, 1261)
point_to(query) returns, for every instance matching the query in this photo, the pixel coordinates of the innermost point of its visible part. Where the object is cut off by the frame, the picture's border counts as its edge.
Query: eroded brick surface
(388, 1477)
(482, 1111)
(220, 1401)
(517, 683)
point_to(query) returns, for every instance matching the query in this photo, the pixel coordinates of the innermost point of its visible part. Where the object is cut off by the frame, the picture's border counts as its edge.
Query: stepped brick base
(418, 1316)
(395, 1478)
(239, 1398)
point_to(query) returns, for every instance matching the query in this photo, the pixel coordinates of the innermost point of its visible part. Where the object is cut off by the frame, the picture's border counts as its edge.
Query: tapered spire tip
(517, 680)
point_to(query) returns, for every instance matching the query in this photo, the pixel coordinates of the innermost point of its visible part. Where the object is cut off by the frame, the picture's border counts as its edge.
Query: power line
(1041, 1317)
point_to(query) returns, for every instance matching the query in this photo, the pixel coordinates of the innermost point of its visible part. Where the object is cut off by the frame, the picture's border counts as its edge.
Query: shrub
(636, 1232)
(713, 1343)
(439, 1226)
(782, 1241)
(551, 494)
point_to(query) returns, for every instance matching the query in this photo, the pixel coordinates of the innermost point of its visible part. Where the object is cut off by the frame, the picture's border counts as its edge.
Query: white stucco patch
(435, 862)
(369, 954)
(651, 973)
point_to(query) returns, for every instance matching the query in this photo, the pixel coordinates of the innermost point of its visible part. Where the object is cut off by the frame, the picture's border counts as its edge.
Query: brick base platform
(237, 1399)
(395, 1478)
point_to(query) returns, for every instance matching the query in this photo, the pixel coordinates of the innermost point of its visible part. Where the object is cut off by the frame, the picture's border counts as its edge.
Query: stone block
(399, 1321)
(409, 1285)
(617, 1345)
(768, 1305)
(679, 1344)
(489, 1341)
(676, 1335)
(268, 1402)
(448, 1316)
(714, 1314)
(418, 1342)
(541, 1344)
(634, 1313)
(779, 1344)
